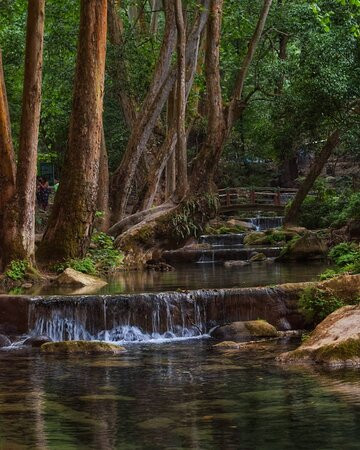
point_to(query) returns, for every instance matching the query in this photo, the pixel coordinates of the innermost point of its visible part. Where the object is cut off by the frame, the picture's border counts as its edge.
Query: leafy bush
(101, 257)
(84, 265)
(333, 208)
(103, 253)
(346, 257)
(16, 270)
(316, 304)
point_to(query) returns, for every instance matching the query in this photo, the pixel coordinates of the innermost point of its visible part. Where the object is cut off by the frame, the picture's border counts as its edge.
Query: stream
(184, 395)
(172, 388)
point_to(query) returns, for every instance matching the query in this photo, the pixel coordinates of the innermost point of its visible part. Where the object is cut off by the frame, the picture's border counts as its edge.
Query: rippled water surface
(179, 395)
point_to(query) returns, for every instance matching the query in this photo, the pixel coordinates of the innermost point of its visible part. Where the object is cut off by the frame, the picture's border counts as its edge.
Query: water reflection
(175, 396)
(201, 276)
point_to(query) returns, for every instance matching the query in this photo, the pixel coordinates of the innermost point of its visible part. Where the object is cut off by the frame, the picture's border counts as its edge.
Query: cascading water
(157, 317)
(266, 223)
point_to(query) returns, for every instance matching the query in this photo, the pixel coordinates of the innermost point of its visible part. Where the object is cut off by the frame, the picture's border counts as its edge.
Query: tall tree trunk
(103, 222)
(7, 167)
(29, 130)
(121, 74)
(155, 6)
(166, 151)
(164, 80)
(203, 167)
(18, 211)
(315, 170)
(70, 225)
(206, 162)
(123, 177)
(181, 151)
(170, 174)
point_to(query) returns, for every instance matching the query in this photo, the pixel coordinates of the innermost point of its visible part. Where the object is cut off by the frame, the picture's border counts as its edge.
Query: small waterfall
(158, 317)
(222, 240)
(266, 223)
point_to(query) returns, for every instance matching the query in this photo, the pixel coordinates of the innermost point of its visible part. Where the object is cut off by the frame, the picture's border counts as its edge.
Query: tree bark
(123, 177)
(7, 167)
(219, 128)
(70, 225)
(166, 151)
(315, 170)
(29, 131)
(181, 151)
(121, 74)
(102, 223)
(204, 163)
(170, 174)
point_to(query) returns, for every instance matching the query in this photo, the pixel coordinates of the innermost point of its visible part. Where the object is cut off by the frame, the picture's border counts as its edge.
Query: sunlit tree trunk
(70, 225)
(18, 212)
(7, 167)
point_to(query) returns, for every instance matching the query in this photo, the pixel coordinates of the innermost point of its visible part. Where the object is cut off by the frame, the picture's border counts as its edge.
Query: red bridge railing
(271, 198)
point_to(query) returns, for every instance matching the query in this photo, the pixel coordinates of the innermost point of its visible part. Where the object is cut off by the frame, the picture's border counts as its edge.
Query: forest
(145, 108)
(179, 224)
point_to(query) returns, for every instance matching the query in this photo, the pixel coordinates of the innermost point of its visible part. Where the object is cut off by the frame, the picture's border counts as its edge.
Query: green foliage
(84, 265)
(103, 253)
(102, 257)
(16, 270)
(193, 215)
(316, 304)
(333, 206)
(346, 257)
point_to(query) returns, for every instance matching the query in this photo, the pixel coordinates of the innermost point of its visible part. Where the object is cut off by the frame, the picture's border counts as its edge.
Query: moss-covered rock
(244, 331)
(258, 257)
(74, 347)
(255, 238)
(307, 246)
(334, 342)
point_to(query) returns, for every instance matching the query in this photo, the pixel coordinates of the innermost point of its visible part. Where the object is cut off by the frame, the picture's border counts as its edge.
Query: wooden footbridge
(257, 199)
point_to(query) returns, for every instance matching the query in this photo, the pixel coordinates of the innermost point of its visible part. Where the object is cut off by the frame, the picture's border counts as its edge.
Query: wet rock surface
(335, 342)
(71, 347)
(71, 277)
(245, 331)
(307, 246)
(37, 341)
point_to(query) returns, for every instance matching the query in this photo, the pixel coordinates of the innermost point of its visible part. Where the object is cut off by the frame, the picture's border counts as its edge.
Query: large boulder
(71, 347)
(71, 277)
(307, 246)
(335, 342)
(245, 331)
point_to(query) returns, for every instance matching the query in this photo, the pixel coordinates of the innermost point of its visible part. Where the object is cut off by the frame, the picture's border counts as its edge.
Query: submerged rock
(81, 347)
(243, 331)
(4, 341)
(234, 264)
(37, 341)
(335, 341)
(227, 345)
(71, 277)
